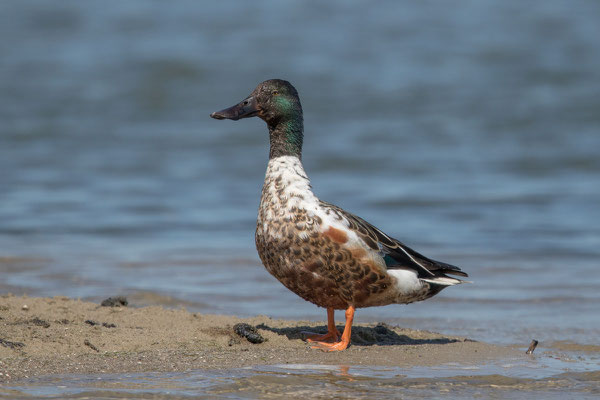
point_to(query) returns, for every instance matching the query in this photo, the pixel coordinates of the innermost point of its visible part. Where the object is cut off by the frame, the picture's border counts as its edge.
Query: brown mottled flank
(336, 235)
(313, 259)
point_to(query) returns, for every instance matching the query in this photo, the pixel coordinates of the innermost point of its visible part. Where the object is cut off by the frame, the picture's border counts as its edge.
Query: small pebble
(25, 307)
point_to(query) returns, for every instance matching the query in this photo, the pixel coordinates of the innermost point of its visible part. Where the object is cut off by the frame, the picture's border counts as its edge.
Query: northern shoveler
(322, 253)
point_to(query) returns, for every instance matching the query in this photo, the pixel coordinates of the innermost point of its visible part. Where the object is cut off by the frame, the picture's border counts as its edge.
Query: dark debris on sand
(90, 345)
(118, 301)
(39, 322)
(249, 332)
(104, 324)
(11, 345)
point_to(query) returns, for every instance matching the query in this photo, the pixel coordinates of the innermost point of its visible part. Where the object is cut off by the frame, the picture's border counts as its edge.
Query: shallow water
(533, 378)
(470, 133)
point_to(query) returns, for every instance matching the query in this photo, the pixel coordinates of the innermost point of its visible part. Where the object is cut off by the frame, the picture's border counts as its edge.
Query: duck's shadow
(380, 335)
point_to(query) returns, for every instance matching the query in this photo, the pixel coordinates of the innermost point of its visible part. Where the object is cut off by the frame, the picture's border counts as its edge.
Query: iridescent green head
(277, 103)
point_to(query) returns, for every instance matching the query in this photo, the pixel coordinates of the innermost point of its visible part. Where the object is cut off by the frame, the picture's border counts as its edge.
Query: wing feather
(396, 254)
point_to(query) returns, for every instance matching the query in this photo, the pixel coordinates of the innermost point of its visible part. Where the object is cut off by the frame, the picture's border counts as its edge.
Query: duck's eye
(275, 92)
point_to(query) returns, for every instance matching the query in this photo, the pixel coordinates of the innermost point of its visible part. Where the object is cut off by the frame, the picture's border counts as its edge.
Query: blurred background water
(468, 130)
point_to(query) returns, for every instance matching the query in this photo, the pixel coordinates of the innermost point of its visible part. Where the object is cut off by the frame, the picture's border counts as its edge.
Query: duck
(324, 254)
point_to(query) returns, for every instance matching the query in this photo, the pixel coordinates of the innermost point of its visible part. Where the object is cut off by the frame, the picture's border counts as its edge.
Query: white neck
(286, 183)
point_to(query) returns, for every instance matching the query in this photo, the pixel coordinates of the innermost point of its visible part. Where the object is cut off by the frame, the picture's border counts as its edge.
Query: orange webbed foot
(345, 339)
(337, 346)
(331, 336)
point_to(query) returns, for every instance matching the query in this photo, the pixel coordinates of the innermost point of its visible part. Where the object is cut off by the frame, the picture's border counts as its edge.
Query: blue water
(470, 131)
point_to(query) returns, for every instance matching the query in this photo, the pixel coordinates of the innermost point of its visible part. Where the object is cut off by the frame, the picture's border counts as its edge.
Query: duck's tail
(445, 280)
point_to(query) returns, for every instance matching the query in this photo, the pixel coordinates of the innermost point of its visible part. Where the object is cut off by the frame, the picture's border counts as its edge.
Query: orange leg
(342, 344)
(332, 332)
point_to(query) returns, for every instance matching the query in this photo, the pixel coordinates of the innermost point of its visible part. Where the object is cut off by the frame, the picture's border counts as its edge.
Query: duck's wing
(395, 254)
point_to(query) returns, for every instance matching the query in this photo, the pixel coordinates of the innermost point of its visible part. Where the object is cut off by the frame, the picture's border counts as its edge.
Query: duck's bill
(245, 109)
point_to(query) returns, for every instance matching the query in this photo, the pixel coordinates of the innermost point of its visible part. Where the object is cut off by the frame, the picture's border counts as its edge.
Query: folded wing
(395, 254)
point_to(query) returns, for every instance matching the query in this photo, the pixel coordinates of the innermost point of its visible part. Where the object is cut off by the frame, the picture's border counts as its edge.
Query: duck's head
(272, 100)
(277, 103)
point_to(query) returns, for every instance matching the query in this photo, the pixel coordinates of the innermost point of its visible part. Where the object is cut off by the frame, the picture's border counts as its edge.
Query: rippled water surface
(510, 380)
(469, 131)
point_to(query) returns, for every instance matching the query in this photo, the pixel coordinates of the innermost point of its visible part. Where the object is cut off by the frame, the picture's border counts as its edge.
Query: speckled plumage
(317, 250)
(322, 253)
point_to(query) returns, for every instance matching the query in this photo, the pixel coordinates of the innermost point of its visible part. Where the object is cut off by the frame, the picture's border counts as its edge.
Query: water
(510, 380)
(471, 133)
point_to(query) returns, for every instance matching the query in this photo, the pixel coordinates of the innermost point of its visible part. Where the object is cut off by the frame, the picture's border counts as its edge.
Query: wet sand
(44, 336)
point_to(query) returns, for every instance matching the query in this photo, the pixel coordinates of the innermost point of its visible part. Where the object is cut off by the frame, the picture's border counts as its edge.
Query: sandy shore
(43, 336)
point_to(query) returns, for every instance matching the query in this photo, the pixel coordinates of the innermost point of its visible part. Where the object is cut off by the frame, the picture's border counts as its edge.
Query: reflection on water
(470, 133)
(543, 378)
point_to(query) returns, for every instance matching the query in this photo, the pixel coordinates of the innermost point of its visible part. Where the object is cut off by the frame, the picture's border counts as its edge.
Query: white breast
(294, 191)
